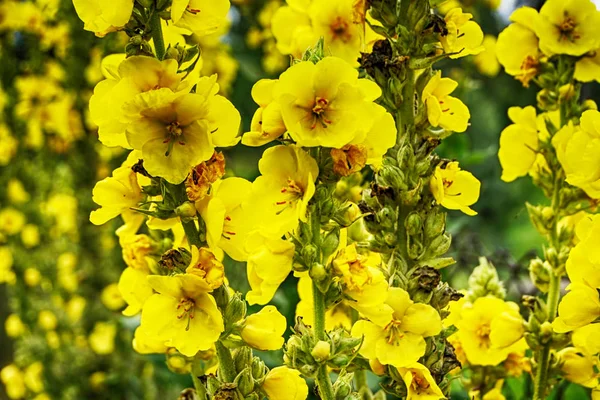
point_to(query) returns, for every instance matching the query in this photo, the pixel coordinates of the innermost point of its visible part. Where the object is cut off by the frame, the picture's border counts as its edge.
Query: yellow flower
(11, 221)
(103, 17)
(577, 149)
(464, 36)
(75, 308)
(486, 61)
(518, 143)
(291, 26)
(16, 191)
(443, 110)
(587, 339)
(144, 343)
(583, 264)
(128, 80)
(117, 193)
(30, 236)
(454, 188)
(578, 368)
(227, 223)
(47, 320)
(13, 326)
(267, 123)
(489, 330)
(111, 297)
(520, 61)
(176, 133)
(137, 250)
(587, 68)
(205, 265)
(32, 277)
(102, 338)
(325, 104)
(135, 289)
(264, 330)
(283, 383)
(182, 314)
(8, 145)
(419, 383)
(33, 377)
(202, 17)
(282, 192)
(13, 380)
(579, 307)
(364, 283)
(568, 27)
(400, 342)
(269, 264)
(6, 262)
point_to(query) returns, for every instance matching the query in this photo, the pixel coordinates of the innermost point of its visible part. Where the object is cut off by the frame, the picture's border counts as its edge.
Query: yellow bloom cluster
(560, 27)
(580, 307)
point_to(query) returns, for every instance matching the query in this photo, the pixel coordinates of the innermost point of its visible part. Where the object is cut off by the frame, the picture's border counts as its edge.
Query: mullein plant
(366, 243)
(557, 144)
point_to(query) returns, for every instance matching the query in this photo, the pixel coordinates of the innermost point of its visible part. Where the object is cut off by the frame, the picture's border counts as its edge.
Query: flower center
(290, 194)
(339, 29)
(419, 384)
(567, 29)
(447, 183)
(529, 69)
(318, 113)
(483, 331)
(394, 332)
(208, 268)
(175, 132)
(186, 307)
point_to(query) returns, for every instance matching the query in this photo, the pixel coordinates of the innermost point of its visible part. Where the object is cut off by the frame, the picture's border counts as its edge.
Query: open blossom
(520, 61)
(126, 80)
(325, 104)
(568, 27)
(454, 188)
(176, 133)
(202, 17)
(267, 123)
(102, 17)
(401, 341)
(518, 143)
(283, 383)
(464, 36)
(443, 110)
(299, 25)
(419, 383)
(282, 192)
(182, 314)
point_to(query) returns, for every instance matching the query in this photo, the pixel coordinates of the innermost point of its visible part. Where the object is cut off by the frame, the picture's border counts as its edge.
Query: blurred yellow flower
(13, 380)
(518, 143)
(578, 368)
(102, 338)
(486, 61)
(111, 297)
(47, 320)
(577, 149)
(33, 377)
(13, 326)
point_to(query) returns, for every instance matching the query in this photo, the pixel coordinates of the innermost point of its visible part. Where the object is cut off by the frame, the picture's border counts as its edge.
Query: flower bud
(413, 223)
(343, 386)
(258, 368)
(186, 210)
(242, 358)
(236, 309)
(484, 281)
(321, 351)
(245, 382)
(438, 246)
(435, 223)
(539, 272)
(318, 272)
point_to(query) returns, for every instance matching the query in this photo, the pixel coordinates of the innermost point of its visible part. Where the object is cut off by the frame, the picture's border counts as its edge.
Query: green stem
(543, 358)
(200, 389)
(362, 386)
(226, 366)
(191, 232)
(157, 36)
(406, 110)
(323, 381)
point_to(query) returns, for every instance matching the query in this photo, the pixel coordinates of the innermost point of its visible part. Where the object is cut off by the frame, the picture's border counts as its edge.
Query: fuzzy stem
(200, 389)
(323, 381)
(157, 36)
(226, 366)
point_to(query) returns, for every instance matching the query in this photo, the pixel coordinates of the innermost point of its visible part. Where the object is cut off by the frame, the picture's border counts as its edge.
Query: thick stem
(362, 386)
(323, 381)
(191, 232)
(406, 111)
(226, 366)
(157, 36)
